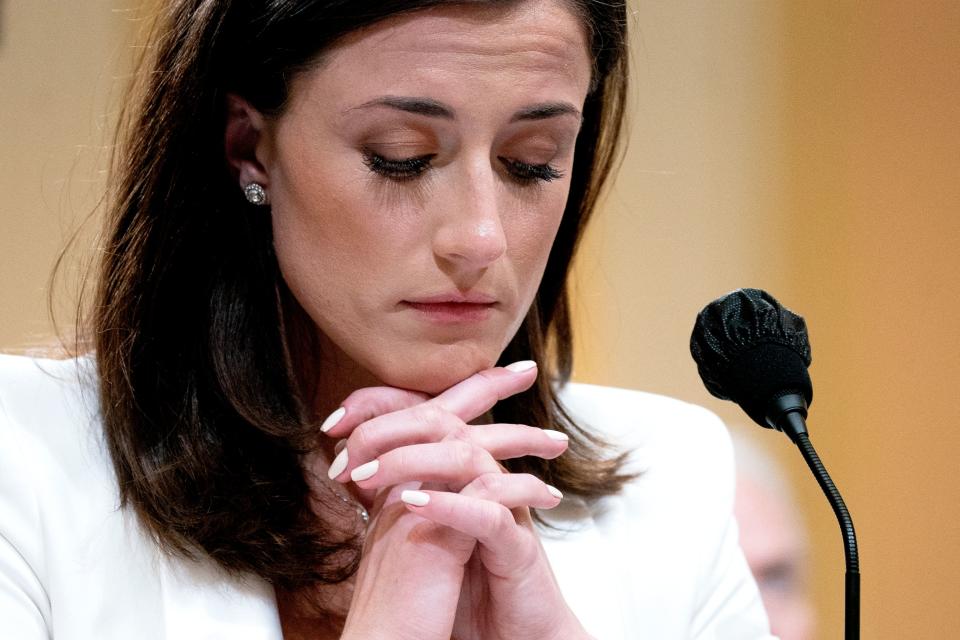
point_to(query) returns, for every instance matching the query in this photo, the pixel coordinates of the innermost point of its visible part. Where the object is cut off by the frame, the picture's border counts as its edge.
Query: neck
(325, 377)
(315, 613)
(325, 374)
(336, 376)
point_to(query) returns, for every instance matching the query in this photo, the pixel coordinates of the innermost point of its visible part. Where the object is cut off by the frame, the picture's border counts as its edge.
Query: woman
(331, 221)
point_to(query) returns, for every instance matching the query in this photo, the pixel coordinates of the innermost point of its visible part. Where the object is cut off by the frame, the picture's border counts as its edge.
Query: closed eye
(400, 170)
(405, 169)
(526, 173)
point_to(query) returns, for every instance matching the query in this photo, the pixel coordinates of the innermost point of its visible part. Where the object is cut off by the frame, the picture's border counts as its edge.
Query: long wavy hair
(203, 407)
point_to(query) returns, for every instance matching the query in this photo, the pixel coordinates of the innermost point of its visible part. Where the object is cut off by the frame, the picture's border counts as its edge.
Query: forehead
(530, 43)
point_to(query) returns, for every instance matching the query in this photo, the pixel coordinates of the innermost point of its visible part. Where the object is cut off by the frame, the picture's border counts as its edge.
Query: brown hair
(201, 403)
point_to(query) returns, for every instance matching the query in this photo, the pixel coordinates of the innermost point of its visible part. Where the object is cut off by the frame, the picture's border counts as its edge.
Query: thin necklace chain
(355, 504)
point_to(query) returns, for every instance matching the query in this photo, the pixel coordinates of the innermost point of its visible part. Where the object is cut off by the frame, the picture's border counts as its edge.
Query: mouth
(453, 308)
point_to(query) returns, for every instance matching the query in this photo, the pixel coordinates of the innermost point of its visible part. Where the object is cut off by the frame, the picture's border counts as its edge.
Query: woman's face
(417, 178)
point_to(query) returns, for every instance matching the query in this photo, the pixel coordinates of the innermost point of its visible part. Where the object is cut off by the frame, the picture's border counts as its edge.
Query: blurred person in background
(774, 538)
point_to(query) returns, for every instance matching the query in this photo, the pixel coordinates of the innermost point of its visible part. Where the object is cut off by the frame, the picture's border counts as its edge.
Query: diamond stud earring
(255, 194)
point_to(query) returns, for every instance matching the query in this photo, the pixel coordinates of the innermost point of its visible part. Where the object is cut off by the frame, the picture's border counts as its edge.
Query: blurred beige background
(811, 148)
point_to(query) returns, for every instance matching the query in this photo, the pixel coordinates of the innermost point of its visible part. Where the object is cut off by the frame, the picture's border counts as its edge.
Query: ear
(243, 135)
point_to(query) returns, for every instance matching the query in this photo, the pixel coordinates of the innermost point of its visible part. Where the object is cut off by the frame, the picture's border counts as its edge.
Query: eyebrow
(546, 110)
(436, 109)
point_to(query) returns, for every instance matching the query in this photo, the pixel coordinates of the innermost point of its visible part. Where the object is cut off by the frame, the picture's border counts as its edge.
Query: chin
(438, 371)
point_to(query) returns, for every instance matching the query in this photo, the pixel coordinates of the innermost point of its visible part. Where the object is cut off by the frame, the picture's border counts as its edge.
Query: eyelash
(399, 170)
(410, 168)
(527, 173)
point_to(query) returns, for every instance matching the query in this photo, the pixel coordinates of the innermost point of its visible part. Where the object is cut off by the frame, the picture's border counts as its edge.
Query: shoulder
(42, 400)
(617, 410)
(653, 429)
(30, 385)
(661, 554)
(52, 471)
(56, 481)
(51, 443)
(680, 499)
(48, 411)
(65, 538)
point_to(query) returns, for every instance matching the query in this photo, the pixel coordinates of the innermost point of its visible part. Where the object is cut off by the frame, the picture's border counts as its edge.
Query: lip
(454, 297)
(453, 308)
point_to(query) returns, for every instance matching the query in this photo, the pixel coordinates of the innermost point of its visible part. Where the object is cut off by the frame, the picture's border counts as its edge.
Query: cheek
(324, 231)
(531, 236)
(322, 246)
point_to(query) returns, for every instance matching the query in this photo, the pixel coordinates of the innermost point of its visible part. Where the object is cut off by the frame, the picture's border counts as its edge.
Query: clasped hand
(451, 550)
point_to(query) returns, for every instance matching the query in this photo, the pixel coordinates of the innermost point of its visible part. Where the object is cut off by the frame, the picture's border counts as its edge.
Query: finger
(507, 441)
(366, 404)
(478, 394)
(428, 423)
(454, 464)
(467, 399)
(488, 521)
(513, 490)
(416, 425)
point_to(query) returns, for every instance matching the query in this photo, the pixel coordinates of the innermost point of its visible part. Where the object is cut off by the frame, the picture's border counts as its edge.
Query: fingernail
(522, 365)
(365, 471)
(339, 464)
(555, 492)
(333, 419)
(556, 435)
(416, 498)
(337, 448)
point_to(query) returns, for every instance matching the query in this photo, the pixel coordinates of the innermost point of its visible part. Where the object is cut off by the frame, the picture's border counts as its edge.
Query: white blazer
(660, 561)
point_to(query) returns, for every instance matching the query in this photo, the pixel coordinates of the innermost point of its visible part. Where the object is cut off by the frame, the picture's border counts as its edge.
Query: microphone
(754, 351)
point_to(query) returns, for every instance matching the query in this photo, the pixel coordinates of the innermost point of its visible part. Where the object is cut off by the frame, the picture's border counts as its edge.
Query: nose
(470, 234)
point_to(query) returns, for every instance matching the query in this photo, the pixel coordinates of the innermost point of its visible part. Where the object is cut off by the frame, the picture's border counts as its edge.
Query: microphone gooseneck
(752, 350)
(851, 555)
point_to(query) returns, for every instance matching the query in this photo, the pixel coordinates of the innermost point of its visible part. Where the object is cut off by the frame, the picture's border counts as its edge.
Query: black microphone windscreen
(751, 349)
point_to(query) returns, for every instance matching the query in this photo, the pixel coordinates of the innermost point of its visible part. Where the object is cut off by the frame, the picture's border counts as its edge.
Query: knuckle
(362, 437)
(493, 384)
(528, 479)
(357, 396)
(429, 414)
(488, 484)
(396, 459)
(463, 453)
(361, 404)
(487, 375)
(461, 431)
(479, 459)
(498, 519)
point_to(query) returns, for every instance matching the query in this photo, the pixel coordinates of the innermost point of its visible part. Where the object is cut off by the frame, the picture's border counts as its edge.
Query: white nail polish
(521, 366)
(333, 419)
(555, 492)
(365, 471)
(556, 435)
(416, 498)
(339, 464)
